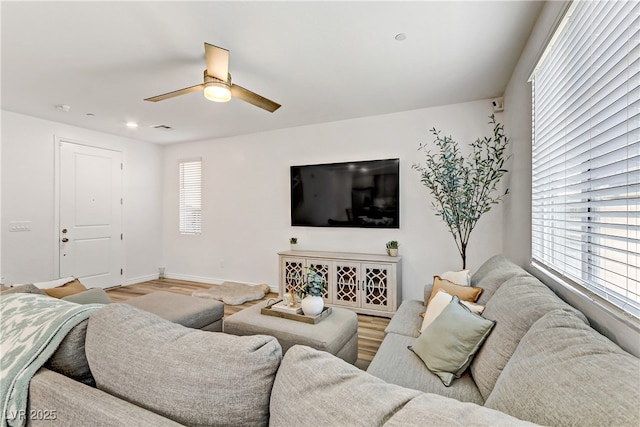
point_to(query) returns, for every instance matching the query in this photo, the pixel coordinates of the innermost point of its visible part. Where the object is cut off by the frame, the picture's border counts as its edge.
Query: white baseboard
(140, 279)
(209, 280)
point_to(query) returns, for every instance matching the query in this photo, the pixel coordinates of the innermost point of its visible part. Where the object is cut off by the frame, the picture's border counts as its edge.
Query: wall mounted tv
(352, 194)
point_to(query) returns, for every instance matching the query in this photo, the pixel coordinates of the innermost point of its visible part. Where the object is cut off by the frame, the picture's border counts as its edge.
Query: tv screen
(351, 194)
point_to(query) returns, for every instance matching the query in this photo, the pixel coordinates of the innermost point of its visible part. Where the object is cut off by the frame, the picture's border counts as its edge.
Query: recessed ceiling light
(400, 37)
(64, 108)
(132, 125)
(90, 114)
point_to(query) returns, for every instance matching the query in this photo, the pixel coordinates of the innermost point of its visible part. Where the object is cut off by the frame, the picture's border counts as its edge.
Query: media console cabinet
(365, 283)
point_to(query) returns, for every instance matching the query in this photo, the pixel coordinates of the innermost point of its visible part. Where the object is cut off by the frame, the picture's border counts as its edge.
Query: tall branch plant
(464, 188)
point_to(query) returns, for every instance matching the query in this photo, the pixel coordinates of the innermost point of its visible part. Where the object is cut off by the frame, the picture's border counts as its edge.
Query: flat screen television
(352, 194)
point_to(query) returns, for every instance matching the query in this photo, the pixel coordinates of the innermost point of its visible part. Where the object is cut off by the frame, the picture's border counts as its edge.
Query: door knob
(65, 240)
(64, 231)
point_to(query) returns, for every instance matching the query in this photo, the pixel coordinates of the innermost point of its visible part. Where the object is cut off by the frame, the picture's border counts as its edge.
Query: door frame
(56, 198)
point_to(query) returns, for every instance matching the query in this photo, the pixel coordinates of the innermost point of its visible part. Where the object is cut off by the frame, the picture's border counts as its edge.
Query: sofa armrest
(56, 400)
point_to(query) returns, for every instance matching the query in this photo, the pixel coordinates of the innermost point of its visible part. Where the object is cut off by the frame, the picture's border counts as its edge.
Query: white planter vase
(392, 252)
(312, 306)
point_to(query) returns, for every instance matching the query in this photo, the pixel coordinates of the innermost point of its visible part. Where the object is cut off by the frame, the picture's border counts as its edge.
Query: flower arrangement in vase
(314, 289)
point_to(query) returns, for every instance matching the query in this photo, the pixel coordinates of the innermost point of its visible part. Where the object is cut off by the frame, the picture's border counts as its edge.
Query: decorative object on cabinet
(365, 283)
(293, 242)
(392, 248)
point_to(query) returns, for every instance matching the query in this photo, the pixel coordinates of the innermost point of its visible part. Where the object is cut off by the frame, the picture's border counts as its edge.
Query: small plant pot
(312, 306)
(392, 252)
(294, 246)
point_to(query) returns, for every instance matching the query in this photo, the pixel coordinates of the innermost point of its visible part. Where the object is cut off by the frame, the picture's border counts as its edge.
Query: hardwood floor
(370, 328)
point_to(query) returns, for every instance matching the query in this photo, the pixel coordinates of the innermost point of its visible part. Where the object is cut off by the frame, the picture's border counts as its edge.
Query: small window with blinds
(586, 152)
(190, 196)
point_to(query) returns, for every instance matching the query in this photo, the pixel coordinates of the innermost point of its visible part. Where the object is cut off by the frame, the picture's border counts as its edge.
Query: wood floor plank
(370, 328)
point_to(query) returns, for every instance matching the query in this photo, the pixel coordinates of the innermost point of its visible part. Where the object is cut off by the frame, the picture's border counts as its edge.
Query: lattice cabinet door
(324, 268)
(346, 284)
(376, 280)
(292, 275)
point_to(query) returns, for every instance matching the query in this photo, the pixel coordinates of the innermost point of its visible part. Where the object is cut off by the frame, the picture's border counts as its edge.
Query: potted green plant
(392, 248)
(315, 287)
(293, 241)
(465, 188)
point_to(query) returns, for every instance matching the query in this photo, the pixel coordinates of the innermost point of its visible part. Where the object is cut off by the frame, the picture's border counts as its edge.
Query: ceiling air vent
(163, 127)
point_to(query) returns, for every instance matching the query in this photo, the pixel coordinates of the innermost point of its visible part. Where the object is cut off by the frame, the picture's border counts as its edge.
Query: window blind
(586, 152)
(190, 196)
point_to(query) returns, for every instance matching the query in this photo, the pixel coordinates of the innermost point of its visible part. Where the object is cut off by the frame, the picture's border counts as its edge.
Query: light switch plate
(15, 226)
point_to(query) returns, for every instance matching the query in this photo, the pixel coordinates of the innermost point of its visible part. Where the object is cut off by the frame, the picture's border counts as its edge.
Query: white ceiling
(323, 61)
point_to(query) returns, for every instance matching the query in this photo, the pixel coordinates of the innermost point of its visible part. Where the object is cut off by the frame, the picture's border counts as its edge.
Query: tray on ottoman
(268, 310)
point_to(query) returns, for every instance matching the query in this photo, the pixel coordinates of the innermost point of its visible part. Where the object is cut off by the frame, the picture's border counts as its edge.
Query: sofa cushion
(448, 345)
(396, 364)
(70, 358)
(407, 320)
(192, 312)
(565, 373)
(314, 388)
(190, 376)
(492, 274)
(22, 289)
(433, 410)
(515, 306)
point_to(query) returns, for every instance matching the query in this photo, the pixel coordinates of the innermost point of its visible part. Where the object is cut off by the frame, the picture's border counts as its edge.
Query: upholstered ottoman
(195, 313)
(336, 334)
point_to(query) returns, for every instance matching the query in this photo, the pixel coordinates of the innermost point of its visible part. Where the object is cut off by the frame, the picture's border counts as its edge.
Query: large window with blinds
(190, 172)
(586, 152)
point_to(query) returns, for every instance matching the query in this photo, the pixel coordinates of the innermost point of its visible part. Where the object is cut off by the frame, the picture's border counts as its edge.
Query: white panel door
(91, 247)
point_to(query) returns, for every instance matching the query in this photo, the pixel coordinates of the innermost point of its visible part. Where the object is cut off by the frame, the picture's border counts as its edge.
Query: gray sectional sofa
(542, 363)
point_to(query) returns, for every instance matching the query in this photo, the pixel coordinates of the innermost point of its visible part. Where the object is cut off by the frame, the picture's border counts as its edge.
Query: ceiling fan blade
(175, 93)
(217, 61)
(253, 98)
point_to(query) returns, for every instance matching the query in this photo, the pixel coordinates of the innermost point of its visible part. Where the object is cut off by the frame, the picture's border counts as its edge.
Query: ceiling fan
(217, 84)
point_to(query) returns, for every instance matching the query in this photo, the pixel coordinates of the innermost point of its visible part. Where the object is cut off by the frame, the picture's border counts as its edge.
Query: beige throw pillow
(67, 289)
(465, 293)
(439, 302)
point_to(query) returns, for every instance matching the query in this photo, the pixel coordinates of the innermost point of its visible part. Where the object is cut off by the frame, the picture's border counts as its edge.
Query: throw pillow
(448, 345)
(67, 289)
(465, 293)
(462, 277)
(439, 302)
(91, 296)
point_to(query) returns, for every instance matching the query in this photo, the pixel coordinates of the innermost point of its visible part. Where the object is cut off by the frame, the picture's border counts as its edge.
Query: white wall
(246, 198)
(28, 195)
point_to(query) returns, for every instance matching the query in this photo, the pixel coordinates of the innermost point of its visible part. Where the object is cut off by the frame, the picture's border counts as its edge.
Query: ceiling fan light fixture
(217, 91)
